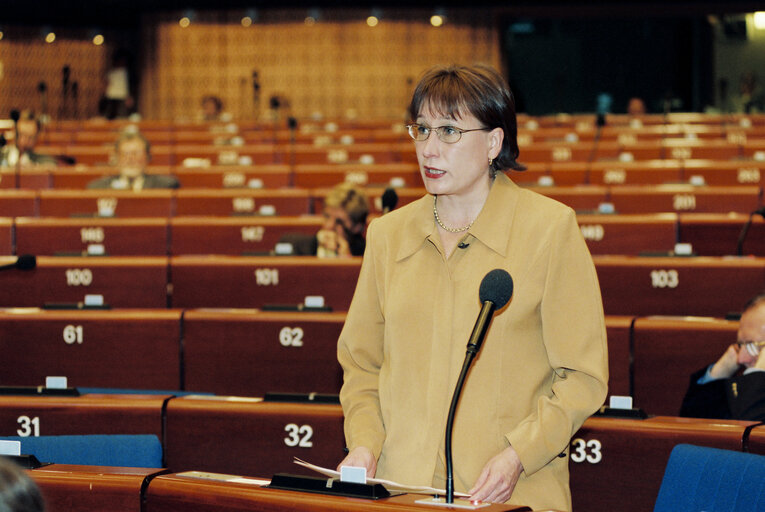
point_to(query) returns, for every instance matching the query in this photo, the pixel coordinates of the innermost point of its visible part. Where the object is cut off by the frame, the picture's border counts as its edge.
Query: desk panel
(250, 154)
(252, 282)
(18, 203)
(81, 415)
(78, 177)
(685, 198)
(329, 175)
(6, 236)
(722, 172)
(644, 172)
(239, 176)
(701, 286)
(119, 237)
(618, 464)
(667, 351)
(242, 202)
(717, 234)
(249, 353)
(122, 281)
(249, 437)
(138, 349)
(69, 488)
(199, 492)
(629, 234)
(583, 198)
(618, 330)
(236, 235)
(120, 203)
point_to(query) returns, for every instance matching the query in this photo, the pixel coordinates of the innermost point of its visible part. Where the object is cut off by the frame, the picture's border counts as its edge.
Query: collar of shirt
(492, 227)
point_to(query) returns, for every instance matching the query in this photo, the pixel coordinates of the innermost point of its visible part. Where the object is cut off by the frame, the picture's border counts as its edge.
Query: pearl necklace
(451, 230)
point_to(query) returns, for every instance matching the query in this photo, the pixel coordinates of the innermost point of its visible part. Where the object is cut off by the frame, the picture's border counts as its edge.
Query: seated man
(22, 152)
(133, 153)
(716, 391)
(345, 219)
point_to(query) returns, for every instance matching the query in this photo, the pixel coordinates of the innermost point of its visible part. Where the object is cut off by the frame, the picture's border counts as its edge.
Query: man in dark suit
(720, 391)
(22, 151)
(133, 153)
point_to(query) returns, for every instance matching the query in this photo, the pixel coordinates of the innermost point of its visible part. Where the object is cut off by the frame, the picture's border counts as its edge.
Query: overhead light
(1, 34)
(312, 17)
(98, 39)
(759, 20)
(246, 21)
(436, 20)
(184, 22)
(372, 21)
(50, 37)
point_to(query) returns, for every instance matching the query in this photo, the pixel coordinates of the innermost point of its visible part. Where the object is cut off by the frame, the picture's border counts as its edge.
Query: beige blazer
(542, 369)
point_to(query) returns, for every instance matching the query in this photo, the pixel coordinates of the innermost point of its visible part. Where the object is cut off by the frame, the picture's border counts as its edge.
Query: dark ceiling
(126, 13)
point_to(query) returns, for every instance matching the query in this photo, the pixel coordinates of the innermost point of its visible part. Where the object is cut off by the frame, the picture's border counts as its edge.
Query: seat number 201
(588, 451)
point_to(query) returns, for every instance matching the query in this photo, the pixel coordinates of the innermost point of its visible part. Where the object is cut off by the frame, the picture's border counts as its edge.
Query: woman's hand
(498, 478)
(361, 457)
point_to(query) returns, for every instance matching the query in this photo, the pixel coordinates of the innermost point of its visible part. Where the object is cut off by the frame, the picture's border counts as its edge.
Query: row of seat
(403, 151)
(252, 352)
(198, 435)
(629, 285)
(299, 201)
(629, 234)
(648, 172)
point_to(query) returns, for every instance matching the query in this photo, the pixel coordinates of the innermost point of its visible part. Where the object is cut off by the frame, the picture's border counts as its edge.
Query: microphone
(389, 200)
(495, 291)
(15, 115)
(23, 262)
(745, 230)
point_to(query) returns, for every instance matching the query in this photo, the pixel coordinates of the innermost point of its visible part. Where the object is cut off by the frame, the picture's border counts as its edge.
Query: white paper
(391, 486)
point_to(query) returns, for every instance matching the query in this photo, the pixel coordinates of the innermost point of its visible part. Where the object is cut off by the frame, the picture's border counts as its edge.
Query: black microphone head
(389, 199)
(496, 287)
(15, 115)
(26, 262)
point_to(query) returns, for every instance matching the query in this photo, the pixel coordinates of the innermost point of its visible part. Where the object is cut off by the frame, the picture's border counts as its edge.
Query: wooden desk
(649, 172)
(374, 194)
(300, 154)
(629, 234)
(120, 203)
(722, 172)
(249, 353)
(237, 176)
(119, 237)
(329, 175)
(254, 154)
(194, 492)
(6, 236)
(78, 177)
(685, 198)
(717, 234)
(122, 281)
(252, 282)
(618, 464)
(69, 488)
(581, 198)
(134, 349)
(685, 149)
(702, 286)
(249, 437)
(235, 235)
(667, 350)
(81, 415)
(242, 202)
(18, 203)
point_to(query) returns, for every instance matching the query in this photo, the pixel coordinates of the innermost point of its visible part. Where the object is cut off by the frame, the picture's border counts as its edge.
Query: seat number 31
(589, 451)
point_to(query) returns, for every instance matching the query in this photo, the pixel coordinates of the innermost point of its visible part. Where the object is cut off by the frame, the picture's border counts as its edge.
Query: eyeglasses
(448, 134)
(753, 347)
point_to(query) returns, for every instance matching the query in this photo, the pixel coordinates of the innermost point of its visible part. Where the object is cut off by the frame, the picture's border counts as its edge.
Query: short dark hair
(18, 492)
(131, 132)
(754, 301)
(351, 199)
(479, 90)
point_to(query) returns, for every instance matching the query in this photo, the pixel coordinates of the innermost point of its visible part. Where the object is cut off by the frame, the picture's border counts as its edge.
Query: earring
(490, 161)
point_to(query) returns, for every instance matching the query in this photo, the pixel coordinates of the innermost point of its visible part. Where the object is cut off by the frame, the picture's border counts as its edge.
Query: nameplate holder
(37, 390)
(294, 307)
(73, 305)
(312, 398)
(331, 486)
(610, 412)
(27, 461)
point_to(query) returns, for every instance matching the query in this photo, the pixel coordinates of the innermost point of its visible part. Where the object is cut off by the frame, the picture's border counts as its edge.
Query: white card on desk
(10, 448)
(55, 382)
(353, 474)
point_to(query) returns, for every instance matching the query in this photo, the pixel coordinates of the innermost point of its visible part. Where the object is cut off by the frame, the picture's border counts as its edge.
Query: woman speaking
(543, 367)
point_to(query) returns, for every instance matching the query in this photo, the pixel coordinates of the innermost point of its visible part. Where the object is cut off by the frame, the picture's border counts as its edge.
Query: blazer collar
(492, 227)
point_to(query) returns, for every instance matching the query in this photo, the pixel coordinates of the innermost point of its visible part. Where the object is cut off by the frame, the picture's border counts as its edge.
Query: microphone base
(461, 503)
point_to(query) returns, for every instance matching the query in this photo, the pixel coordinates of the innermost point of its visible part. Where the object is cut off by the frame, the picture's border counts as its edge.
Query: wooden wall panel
(336, 68)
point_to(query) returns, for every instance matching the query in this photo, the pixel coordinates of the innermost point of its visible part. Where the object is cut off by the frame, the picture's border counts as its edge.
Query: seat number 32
(589, 451)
